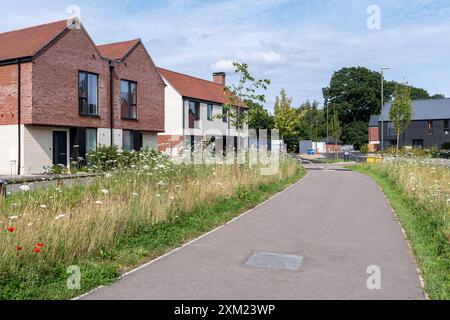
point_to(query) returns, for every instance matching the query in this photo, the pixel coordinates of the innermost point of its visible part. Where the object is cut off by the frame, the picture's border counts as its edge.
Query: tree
(355, 133)
(438, 96)
(260, 119)
(286, 119)
(401, 110)
(312, 123)
(355, 94)
(335, 131)
(246, 94)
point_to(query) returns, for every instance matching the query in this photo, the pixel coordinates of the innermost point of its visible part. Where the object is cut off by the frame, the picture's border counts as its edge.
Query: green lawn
(424, 230)
(137, 249)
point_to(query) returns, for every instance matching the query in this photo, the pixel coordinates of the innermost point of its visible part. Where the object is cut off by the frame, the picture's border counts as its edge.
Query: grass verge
(132, 251)
(424, 230)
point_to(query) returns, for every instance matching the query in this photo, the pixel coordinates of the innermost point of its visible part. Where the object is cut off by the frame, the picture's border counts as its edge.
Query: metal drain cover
(269, 260)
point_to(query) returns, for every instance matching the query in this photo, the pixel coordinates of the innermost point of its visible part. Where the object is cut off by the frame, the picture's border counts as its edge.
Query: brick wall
(55, 82)
(8, 95)
(374, 134)
(150, 88)
(50, 87)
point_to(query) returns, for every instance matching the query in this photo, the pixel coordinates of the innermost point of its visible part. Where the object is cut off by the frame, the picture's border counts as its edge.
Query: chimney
(219, 77)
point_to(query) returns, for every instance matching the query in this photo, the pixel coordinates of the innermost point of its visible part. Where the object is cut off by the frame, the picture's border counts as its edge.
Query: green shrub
(364, 148)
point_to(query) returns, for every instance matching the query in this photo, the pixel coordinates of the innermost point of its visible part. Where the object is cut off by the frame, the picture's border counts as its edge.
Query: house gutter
(111, 99)
(19, 116)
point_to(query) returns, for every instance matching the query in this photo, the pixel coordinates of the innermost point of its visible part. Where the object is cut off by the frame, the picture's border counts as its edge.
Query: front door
(60, 147)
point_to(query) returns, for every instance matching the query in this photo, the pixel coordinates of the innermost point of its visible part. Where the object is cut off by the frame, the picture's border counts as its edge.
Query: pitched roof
(27, 42)
(374, 120)
(429, 109)
(195, 88)
(118, 50)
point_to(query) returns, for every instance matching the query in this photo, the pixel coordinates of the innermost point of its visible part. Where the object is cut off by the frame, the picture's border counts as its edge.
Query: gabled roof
(374, 121)
(25, 43)
(429, 109)
(195, 88)
(118, 50)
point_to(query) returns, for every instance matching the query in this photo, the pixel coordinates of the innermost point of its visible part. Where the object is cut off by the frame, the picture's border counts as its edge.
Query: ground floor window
(82, 141)
(132, 140)
(417, 144)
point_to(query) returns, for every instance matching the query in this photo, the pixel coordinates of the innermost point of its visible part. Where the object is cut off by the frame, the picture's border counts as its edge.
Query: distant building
(429, 128)
(195, 114)
(374, 133)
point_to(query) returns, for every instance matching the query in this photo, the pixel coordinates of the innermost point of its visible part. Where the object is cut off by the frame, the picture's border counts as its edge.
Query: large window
(210, 112)
(194, 110)
(390, 129)
(88, 94)
(91, 140)
(128, 92)
(132, 140)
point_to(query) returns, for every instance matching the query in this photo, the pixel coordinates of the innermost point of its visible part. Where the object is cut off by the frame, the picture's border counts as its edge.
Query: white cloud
(223, 65)
(297, 44)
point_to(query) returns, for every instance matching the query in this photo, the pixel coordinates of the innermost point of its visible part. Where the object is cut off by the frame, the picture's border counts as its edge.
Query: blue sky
(297, 44)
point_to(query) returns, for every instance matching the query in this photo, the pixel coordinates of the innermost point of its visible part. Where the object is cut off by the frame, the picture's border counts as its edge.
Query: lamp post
(382, 107)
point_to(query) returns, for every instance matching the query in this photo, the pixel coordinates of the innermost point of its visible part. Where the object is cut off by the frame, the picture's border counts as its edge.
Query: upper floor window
(446, 127)
(430, 127)
(128, 101)
(194, 110)
(88, 93)
(210, 112)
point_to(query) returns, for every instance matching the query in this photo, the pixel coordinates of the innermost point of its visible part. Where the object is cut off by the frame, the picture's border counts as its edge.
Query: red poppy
(40, 245)
(11, 229)
(19, 248)
(37, 250)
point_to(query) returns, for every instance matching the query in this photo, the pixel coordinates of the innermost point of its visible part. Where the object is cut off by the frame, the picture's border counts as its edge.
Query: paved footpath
(337, 220)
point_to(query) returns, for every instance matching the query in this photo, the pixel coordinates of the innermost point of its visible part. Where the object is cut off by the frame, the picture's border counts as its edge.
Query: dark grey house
(430, 126)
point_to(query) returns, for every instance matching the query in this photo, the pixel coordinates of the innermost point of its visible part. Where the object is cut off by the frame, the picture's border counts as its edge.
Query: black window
(88, 94)
(132, 140)
(128, 93)
(390, 129)
(194, 110)
(418, 144)
(430, 127)
(82, 141)
(224, 114)
(446, 127)
(210, 112)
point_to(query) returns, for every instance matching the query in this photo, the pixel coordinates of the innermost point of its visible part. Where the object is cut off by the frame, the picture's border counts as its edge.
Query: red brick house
(56, 101)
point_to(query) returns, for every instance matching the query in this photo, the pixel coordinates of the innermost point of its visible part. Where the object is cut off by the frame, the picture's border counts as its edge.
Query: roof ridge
(36, 26)
(187, 75)
(119, 42)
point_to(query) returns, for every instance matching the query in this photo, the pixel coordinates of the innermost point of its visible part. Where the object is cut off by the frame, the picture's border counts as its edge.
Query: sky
(297, 44)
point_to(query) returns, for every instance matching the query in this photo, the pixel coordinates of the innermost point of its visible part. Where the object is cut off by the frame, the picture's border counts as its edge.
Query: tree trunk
(336, 150)
(398, 142)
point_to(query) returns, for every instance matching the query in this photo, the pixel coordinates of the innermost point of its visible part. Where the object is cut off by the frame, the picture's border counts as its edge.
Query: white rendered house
(194, 113)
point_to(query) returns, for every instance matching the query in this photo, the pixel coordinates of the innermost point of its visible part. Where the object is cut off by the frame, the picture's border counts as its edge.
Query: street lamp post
(382, 107)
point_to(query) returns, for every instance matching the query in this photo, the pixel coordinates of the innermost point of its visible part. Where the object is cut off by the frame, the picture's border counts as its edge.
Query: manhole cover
(269, 260)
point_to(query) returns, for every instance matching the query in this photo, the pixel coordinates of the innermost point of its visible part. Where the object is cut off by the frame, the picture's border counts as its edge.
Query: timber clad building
(429, 128)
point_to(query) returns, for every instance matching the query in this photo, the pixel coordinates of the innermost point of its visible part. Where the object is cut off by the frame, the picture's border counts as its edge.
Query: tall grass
(427, 183)
(62, 226)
